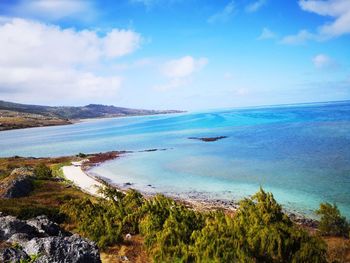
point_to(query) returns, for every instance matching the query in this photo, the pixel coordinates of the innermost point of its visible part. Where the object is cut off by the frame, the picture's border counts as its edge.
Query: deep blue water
(299, 152)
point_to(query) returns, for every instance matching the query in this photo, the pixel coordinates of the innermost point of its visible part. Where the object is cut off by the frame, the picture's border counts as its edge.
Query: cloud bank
(49, 61)
(337, 10)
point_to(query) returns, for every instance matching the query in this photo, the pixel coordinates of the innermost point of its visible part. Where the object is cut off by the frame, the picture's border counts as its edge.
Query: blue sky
(179, 54)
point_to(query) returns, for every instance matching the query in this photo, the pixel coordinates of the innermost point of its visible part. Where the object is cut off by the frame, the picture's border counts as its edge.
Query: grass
(17, 120)
(46, 199)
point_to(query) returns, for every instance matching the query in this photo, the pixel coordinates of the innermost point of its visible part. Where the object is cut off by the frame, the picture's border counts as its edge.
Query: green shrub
(258, 232)
(41, 171)
(167, 228)
(332, 222)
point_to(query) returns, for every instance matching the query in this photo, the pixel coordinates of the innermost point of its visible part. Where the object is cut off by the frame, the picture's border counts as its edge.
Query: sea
(300, 152)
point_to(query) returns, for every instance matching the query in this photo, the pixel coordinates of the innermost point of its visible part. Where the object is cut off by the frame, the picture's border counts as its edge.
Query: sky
(174, 54)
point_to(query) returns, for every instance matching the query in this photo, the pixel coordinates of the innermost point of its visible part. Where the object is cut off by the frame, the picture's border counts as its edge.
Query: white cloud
(255, 6)
(266, 34)
(322, 61)
(183, 67)
(224, 15)
(53, 10)
(302, 37)
(338, 10)
(178, 71)
(46, 84)
(44, 59)
(121, 42)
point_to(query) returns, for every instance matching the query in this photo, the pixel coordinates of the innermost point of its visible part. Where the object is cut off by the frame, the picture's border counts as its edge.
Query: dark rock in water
(127, 184)
(13, 255)
(151, 150)
(208, 139)
(39, 236)
(17, 184)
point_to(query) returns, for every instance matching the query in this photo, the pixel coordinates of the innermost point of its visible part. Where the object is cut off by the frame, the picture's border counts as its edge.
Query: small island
(208, 139)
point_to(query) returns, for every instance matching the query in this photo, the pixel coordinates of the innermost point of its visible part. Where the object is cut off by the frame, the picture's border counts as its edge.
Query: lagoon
(299, 152)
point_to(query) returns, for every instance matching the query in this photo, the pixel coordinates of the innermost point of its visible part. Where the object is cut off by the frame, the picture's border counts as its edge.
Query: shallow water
(299, 152)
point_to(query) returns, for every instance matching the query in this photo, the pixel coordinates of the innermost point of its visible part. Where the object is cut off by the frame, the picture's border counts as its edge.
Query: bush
(258, 232)
(41, 171)
(81, 155)
(107, 220)
(332, 222)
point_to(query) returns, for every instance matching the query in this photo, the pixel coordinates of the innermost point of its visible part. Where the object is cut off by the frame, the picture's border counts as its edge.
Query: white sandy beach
(81, 179)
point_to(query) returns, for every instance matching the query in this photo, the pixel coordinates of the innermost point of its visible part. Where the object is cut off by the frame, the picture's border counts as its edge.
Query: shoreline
(75, 121)
(81, 176)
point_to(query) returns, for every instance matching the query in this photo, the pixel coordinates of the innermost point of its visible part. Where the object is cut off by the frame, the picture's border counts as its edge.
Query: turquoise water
(299, 152)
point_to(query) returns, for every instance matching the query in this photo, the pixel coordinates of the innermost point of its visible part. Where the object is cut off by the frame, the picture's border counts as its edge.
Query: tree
(332, 222)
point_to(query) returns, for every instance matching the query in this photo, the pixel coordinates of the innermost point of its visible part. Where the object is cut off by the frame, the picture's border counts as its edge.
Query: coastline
(82, 180)
(81, 176)
(65, 122)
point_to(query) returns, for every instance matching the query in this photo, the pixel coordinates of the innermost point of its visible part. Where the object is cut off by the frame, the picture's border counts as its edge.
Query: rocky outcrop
(208, 139)
(44, 239)
(17, 184)
(63, 249)
(13, 255)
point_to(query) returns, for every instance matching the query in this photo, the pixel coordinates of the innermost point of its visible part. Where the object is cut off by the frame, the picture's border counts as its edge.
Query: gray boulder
(44, 238)
(12, 255)
(46, 227)
(73, 249)
(10, 226)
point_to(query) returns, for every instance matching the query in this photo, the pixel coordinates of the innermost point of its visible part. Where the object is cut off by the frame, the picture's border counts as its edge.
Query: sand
(82, 180)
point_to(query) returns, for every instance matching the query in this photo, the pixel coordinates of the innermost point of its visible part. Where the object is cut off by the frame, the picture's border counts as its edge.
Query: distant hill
(16, 115)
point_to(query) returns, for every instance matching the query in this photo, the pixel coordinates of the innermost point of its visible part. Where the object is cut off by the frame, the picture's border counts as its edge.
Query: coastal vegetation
(258, 232)
(165, 230)
(332, 223)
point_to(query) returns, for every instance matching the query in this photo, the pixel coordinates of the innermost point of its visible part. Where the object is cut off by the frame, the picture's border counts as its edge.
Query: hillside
(16, 115)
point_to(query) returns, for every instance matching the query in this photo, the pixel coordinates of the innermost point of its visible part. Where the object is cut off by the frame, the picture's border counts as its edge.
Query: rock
(208, 139)
(46, 227)
(71, 249)
(17, 184)
(44, 238)
(13, 255)
(10, 226)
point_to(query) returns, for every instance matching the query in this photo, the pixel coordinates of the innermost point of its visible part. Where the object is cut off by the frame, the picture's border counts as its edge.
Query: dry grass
(17, 120)
(8, 164)
(338, 249)
(132, 249)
